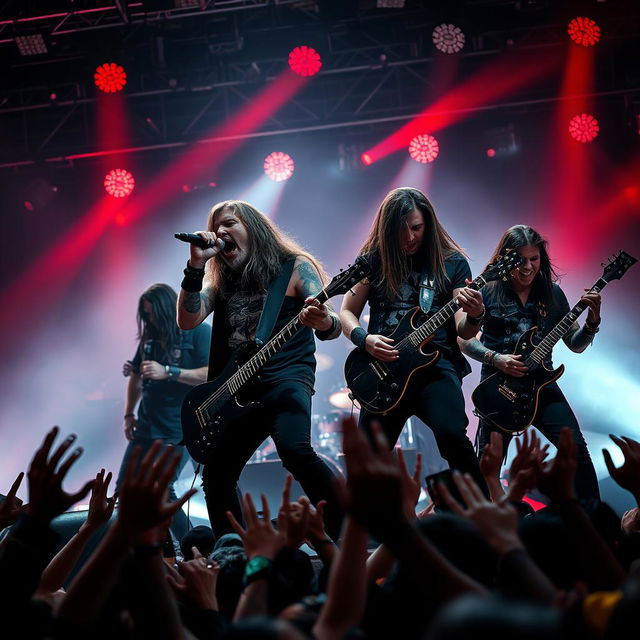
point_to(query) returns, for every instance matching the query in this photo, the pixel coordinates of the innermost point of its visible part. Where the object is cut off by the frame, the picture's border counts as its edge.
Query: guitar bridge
(507, 392)
(378, 369)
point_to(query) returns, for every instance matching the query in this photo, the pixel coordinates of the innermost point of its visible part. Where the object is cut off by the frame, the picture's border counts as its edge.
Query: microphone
(199, 241)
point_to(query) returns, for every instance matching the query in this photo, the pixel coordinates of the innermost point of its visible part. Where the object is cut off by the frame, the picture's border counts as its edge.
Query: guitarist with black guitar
(415, 264)
(248, 256)
(531, 297)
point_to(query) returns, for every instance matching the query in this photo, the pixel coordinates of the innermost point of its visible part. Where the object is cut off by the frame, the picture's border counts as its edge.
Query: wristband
(172, 372)
(358, 337)
(257, 568)
(489, 357)
(129, 415)
(476, 321)
(192, 281)
(322, 335)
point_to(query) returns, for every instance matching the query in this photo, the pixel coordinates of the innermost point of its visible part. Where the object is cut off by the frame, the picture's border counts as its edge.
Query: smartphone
(444, 477)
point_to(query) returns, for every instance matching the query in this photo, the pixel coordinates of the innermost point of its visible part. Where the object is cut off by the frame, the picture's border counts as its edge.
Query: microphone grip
(193, 238)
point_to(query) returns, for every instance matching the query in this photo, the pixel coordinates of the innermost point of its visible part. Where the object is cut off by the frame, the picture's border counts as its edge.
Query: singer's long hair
(515, 238)
(164, 328)
(385, 240)
(269, 247)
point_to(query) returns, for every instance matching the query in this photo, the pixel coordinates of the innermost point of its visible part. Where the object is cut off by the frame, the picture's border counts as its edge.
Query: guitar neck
(258, 360)
(438, 319)
(544, 348)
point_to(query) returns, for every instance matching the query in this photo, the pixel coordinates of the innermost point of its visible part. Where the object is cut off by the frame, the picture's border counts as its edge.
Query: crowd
(475, 566)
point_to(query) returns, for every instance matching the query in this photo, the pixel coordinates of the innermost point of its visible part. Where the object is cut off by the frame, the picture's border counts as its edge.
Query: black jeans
(435, 396)
(284, 413)
(554, 413)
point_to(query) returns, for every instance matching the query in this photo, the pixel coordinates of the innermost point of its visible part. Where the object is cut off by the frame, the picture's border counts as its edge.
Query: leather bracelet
(321, 335)
(476, 321)
(358, 337)
(129, 415)
(193, 272)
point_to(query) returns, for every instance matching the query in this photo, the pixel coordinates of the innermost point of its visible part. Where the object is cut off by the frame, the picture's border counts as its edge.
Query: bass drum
(268, 477)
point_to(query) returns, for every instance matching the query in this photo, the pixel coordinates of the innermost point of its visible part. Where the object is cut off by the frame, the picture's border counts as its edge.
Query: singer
(415, 262)
(167, 362)
(233, 283)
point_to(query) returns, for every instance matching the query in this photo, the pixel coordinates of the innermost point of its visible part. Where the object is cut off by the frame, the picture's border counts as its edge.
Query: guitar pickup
(378, 369)
(508, 393)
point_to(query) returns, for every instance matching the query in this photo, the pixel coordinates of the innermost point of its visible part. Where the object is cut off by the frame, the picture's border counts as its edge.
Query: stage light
(119, 183)
(390, 4)
(448, 38)
(305, 61)
(584, 31)
(31, 45)
(110, 77)
(584, 127)
(366, 159)
(424, 148)
(278, 166)
(491, 152)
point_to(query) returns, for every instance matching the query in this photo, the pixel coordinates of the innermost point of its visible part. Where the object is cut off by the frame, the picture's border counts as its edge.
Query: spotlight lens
(278, 166)
(584, 31)
(424, 148)
(110, 77)
(119, 183)
(584, 127)
(448, 38)
(305, 61)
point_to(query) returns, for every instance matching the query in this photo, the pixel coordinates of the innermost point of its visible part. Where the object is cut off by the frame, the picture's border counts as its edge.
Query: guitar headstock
(347, 278)
(617, 266)
(501, 268)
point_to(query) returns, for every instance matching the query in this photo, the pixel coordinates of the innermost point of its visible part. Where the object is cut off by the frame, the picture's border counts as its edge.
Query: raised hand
(296, 515)
(411, 484)
(628, 475)
(143, 503)
(528, 453)
(315, 523)
(100, 507)
(556, 477)
(498, 521)
(46, 496)
(260, 538)
(11, 507)
(373, 493)
(196, 580)
(491, 459)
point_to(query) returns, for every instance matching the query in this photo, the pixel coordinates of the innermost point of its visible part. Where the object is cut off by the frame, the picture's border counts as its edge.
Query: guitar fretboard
(545, 346)
(437, 320)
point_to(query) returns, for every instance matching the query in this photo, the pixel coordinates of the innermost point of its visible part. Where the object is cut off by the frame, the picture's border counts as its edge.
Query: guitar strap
(219, 353)
(427, 291)
(273, 303)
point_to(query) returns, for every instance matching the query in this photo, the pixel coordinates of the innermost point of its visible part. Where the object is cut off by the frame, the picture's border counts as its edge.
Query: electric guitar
(379, 386)
(211, 408)
(510, 403)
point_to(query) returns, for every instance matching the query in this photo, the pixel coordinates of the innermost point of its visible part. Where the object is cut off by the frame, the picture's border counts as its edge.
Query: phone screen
(444, 477)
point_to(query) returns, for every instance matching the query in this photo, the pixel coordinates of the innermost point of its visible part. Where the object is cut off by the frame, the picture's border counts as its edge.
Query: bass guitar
(211, 408)
(379, 386)
(510, 403)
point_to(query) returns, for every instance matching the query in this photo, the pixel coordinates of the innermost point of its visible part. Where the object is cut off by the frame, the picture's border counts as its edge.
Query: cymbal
(341, 399)
(323, 362)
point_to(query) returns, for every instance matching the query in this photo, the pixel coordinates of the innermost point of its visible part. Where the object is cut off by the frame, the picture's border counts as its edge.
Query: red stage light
(424, 148)
(110, 77)
(119, 183)
(584, 127)
(584, 31)
(366, 159)
(278, 166)
(491, 152)
(305, 61)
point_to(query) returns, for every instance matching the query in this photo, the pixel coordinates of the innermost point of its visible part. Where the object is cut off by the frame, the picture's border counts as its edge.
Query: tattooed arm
(194, 306)
(321, 317)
